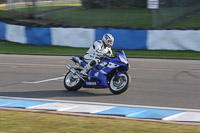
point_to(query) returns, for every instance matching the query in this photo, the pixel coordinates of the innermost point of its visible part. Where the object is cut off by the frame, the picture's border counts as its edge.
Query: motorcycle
(110, 73)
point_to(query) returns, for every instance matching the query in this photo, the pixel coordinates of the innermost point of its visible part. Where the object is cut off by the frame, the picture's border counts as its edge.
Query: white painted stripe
(74, 37)
(88, 109)
(185, 116)
(63, 109)
(36, 106)
(15, 33)
(173, 116)
(69, 107)
(42, 81)
(55, 106)
(106, 104)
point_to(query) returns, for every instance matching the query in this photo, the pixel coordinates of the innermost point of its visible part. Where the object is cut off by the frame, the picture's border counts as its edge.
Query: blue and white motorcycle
(111, 72)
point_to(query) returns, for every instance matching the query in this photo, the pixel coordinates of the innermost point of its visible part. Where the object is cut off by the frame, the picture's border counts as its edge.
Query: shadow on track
(53, 93)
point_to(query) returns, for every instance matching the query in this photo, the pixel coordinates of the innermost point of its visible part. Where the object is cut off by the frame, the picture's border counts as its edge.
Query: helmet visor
(110, 43)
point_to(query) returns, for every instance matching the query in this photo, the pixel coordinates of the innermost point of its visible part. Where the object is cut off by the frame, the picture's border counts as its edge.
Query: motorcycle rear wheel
(72, 82)
(121, 84)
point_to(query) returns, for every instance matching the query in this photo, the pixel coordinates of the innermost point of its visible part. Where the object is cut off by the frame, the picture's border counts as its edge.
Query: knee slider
(93, 63)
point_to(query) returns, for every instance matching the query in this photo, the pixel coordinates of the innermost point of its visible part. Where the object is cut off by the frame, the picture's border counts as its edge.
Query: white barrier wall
(84, 37)
(74, 37)
(15, 33)
(173, 40)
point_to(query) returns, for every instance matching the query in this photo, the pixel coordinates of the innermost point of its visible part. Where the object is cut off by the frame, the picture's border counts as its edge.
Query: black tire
(124, 86)
(75, 87)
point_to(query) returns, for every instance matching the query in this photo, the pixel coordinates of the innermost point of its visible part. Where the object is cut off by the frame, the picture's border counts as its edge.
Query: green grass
(26, 122)
(4, 13)
(126, 17)
(16, 48)
(46, 6)
(192, 21)
(166, 15)
(50, 8)
(41, 7)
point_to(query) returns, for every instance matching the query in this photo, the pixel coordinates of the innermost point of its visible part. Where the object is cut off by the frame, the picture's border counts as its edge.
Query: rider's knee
(93, 63)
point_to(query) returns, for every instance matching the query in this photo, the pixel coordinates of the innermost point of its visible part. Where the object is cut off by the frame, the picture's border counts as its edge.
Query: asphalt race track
(155, 82)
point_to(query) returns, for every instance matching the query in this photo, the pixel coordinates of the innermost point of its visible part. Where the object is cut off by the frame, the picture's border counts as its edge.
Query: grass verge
(125, 17)
(4, 13)
(17, 48)
(23, 122)
(192, 21)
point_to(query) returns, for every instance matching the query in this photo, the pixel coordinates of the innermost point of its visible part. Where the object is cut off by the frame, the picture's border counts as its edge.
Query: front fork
(117, 73)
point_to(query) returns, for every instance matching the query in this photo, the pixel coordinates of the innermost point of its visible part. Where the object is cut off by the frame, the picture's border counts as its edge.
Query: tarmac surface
(155, 82)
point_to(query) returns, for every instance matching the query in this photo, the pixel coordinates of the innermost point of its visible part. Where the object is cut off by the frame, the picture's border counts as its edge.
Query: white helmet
(108, 39)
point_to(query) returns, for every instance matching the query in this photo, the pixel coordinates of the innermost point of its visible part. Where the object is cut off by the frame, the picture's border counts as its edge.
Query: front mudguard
(120, 72)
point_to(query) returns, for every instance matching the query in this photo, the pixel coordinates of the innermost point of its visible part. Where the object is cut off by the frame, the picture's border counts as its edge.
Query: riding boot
(84, 72)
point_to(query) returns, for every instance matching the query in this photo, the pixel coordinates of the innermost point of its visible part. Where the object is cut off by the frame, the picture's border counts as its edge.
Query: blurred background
(111, 13)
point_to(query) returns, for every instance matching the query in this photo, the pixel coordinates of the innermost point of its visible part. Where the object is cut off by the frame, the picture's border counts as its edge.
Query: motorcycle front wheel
(120, 84)
(72, 82)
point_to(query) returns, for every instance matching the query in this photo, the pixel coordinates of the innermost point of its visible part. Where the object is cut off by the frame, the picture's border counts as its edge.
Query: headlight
(122, 60)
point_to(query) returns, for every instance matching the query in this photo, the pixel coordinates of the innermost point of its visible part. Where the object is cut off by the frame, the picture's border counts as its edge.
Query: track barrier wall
(84, 37)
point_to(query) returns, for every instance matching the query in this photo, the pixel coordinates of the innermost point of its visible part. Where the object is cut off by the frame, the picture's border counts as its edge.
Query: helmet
(108, 39)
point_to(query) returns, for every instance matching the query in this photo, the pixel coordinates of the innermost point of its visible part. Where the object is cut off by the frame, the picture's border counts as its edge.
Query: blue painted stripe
(125, 39)
(153, 113)
(38, 36)
(139, 112)
(14, 103)
(2, 30)
(121, 111)
(133, 112)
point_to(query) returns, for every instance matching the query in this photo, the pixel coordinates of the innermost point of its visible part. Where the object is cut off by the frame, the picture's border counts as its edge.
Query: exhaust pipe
(71, 69)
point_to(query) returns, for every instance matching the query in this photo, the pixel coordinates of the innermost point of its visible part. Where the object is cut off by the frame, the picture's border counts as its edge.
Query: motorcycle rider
(100, 48)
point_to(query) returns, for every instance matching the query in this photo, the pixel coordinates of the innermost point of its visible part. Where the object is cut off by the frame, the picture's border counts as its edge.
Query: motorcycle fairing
(98, 75)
